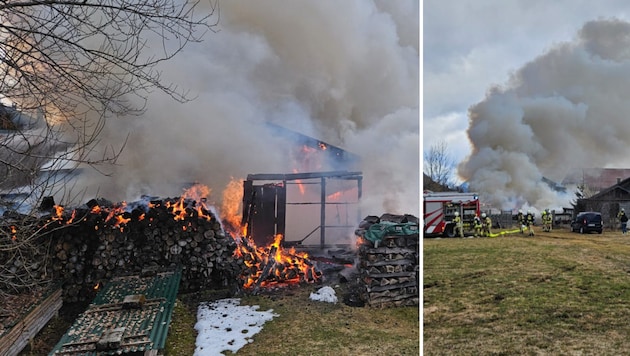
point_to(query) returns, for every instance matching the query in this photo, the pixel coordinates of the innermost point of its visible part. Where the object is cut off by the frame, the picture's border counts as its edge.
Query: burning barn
(282, 218)
(267, 197)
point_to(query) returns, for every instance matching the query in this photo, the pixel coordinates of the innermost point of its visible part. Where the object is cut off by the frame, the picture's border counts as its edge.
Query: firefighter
(623, 219)
(486, 224)
(549, 220)
(545, 221)
(477, 225)
(521, 221)
(459, 226)
(529, 221)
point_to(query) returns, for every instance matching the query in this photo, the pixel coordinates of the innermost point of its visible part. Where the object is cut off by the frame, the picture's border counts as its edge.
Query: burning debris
(272, 265)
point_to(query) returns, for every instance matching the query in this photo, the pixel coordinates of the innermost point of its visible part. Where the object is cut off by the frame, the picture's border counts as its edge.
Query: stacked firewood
(388, 250)
(95, 244)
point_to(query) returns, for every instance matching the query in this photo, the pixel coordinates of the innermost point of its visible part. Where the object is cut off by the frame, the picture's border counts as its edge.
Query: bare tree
(65, 67)
(438, 164)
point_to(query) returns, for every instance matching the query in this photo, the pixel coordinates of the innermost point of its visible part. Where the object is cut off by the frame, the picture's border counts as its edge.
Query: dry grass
(558, 293)
(306, 327)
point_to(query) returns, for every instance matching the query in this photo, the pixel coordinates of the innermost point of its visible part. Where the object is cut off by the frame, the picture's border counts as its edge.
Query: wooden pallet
(13, 341)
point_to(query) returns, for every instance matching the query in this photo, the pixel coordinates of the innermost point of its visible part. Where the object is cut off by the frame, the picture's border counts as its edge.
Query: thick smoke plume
(346, 73)
(567, 109)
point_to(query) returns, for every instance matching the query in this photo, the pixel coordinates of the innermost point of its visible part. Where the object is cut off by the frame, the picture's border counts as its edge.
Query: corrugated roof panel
(113, 325)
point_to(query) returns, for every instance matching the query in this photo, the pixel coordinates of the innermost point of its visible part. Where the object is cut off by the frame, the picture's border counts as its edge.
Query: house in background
(608, 201)
(596, 179)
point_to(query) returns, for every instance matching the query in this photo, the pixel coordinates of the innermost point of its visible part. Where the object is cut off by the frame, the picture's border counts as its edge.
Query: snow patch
(325, 294)
(225, 325)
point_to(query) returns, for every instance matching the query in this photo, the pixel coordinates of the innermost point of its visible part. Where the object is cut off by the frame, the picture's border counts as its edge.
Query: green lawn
(558, 293)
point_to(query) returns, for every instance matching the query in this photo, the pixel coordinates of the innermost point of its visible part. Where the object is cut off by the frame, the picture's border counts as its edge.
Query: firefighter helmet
(483, 215)
(520, 211)
(544, 212)
(457, 213)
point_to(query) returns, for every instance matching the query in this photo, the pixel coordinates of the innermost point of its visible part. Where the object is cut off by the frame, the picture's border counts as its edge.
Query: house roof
(596, 178)
(623, 185)
(128, 315)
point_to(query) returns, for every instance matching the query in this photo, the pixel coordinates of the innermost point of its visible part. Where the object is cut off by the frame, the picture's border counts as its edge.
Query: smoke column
(346, 73)
(566, 109)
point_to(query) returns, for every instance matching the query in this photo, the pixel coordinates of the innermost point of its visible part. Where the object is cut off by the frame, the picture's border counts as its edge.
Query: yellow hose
(504, 232)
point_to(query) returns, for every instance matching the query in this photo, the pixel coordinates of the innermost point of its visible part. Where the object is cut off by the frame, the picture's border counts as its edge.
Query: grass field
(558, 293)
(306, 327)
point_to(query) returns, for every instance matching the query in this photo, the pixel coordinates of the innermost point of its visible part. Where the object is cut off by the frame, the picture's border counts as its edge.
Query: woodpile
(88, 246)
(389, 260)
(92, 245)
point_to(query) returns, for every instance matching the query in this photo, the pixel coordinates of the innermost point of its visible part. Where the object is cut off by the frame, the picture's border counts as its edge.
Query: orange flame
(282, 266)
(334, 196)
(58, 212)
(197, 193)
(74, 215)
(116, 211)
(178, 209)
(299, 183)
(360, 241)
(121, 221)
(231, 204)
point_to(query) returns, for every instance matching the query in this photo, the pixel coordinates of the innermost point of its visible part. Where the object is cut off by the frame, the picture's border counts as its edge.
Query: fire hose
(504, 232)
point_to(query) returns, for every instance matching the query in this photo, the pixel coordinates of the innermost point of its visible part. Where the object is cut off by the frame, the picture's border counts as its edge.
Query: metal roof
(129, 314)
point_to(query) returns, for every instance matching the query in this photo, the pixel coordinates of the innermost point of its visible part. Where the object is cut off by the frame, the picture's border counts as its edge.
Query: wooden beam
(308, 175)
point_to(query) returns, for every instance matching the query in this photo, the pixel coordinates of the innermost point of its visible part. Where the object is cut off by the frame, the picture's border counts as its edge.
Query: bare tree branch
(438, 164)
(65, 68)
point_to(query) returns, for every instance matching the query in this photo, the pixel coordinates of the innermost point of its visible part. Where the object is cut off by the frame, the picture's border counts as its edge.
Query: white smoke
(346, 73)
(566, 109)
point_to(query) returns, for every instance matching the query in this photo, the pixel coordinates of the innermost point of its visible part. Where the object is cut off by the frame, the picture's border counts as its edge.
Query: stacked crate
(389, 260)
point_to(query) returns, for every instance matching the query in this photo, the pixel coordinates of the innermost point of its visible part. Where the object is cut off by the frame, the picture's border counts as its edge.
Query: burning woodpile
(389, 260)
(88, 246)
(95, 245)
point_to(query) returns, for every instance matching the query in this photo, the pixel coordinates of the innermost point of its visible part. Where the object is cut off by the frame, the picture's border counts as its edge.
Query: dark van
(589, 221)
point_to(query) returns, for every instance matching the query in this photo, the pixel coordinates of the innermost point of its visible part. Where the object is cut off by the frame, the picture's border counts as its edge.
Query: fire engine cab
(439, 212)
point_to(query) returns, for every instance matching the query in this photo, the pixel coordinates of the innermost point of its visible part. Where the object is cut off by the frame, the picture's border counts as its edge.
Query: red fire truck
(439, 211)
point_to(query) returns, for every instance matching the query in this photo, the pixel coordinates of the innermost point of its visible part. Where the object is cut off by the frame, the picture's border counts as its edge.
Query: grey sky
(545, 85)
(471, 45)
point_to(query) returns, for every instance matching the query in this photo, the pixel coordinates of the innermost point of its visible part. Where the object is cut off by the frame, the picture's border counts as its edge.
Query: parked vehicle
(589, 221)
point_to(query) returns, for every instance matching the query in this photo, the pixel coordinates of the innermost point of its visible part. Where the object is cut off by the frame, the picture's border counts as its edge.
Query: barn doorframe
(265, 203)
